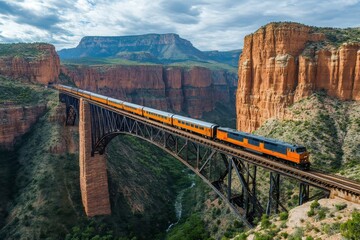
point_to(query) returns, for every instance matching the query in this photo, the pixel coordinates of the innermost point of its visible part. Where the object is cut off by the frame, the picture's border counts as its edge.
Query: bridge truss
(231, 175)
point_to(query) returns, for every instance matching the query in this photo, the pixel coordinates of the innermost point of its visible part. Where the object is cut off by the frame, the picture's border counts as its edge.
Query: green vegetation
(24, 50)
(103, 61)
(284, 216)
(341, 206)
(327, 127)
(338, 36)
(265, 222)
(350, 229)
(209, 64)
(192, 229)
(119, 61)
(15, 92)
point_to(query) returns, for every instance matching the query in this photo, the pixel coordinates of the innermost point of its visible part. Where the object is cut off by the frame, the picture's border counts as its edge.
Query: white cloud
(208, 24)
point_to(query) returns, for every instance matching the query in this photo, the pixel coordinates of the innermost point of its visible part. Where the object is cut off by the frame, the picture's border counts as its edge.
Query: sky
(208, 24)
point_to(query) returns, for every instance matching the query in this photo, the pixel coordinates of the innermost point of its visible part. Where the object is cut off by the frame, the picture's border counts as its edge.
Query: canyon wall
(16, 121)
(192, 91)
(42, 66)
(282, 63)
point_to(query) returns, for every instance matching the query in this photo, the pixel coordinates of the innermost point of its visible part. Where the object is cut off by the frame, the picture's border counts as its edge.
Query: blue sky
(208, 24)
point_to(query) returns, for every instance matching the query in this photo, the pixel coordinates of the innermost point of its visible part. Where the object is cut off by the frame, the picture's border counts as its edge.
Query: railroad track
(312, 177)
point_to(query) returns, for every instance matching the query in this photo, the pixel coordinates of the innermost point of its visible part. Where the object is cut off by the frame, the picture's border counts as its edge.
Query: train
(295, 155)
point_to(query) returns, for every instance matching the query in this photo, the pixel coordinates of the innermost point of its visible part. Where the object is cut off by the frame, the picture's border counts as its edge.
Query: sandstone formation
(192, 91)
(282, 63)
(43, 67)
(16, 121)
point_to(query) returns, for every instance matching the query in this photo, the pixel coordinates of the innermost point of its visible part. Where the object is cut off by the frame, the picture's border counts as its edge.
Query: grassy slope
(25, 50)
(328, 127)
(20, 93)
(46, 196)
(118, 61)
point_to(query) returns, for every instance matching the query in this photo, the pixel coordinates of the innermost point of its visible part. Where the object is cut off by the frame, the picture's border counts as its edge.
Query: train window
(300, 150)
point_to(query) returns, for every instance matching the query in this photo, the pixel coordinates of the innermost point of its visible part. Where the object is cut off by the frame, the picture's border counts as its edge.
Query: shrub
(259, 236)
(311, 213)
(242, 236)
(350, 229)
(322, 214)
(309, 238)
(340, 206)
(315, 204)
(284, 235)
(265, 222)
(238, 224)
(284, 216)
(297, 235)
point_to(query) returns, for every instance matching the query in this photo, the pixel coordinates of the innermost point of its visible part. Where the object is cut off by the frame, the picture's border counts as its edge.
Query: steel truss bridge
(231, 172)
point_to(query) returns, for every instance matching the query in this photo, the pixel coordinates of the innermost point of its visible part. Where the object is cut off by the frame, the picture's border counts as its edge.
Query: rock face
(282, 63)
(16, 121)
(157, 46)
(192, 91)
(42, 66)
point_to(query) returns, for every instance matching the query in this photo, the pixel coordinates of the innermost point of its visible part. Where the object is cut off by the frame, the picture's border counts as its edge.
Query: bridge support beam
(93, 175)
(304, 193)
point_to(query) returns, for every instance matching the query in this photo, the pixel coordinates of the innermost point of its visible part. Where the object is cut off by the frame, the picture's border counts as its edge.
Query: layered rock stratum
(16, 121)
(282, 63)
(192, 90)
(36, 62)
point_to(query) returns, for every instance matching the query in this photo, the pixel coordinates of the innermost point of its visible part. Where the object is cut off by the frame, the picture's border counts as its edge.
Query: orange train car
(291, 154)
(133, 108)
(99, 98)
(194, 125)
(158, 115)
(115, 103)
(295, 154)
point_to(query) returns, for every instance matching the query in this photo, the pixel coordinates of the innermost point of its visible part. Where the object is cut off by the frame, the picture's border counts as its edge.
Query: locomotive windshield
(300, 150)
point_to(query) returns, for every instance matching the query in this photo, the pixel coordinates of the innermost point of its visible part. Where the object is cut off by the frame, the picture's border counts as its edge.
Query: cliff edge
(282, 63)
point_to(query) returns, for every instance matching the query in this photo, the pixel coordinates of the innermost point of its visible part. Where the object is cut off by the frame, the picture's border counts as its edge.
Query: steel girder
(72, 108)
(211, 165)
(214, 166)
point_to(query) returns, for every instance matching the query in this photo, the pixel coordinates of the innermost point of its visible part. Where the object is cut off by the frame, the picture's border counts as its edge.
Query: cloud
(208, 24)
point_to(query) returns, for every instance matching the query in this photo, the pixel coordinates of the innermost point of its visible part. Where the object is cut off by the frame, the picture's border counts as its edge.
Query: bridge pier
(93, 175)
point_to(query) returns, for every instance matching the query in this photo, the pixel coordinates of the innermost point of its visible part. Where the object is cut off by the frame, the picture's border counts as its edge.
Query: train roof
(260, 138)
(98, 95)
(158, 111)
(195, 121)
(115, 100)
(132, 105)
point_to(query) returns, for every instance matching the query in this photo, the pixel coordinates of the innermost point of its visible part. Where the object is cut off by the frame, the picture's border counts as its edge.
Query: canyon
(282, 63)
(176, 89)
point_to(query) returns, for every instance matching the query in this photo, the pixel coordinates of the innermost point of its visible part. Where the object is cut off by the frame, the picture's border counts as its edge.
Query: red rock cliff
(192, 91)
(16, 121)
(282, 63)
(41, 67)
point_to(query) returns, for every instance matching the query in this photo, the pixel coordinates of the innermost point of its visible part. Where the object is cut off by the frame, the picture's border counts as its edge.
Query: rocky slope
(177, 89)
(36, 62)
(312, 220)
(282, 63)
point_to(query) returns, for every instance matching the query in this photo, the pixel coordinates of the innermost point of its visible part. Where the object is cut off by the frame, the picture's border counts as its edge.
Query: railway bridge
(231, 172)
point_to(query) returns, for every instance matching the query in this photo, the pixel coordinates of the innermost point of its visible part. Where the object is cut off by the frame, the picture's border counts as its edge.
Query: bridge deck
(312, 177)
